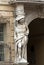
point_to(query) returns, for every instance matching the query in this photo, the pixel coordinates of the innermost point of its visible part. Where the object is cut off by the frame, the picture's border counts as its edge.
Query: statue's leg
(26, 41)
(23, 51)
(19, 50)
(16, 53)
(23, 48)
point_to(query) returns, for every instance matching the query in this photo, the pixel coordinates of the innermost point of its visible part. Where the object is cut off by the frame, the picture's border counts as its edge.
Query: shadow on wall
(35, 46)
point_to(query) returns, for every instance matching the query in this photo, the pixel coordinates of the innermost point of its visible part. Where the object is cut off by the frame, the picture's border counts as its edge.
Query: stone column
(20, 35)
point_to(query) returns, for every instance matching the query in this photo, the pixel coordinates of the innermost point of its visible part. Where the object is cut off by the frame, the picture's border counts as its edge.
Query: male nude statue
(21, 37)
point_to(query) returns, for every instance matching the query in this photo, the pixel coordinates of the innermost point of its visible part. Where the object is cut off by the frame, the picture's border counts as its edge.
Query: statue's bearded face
(21, 21)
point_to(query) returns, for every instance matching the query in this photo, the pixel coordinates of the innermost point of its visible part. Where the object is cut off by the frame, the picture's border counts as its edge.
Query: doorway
(35, 46)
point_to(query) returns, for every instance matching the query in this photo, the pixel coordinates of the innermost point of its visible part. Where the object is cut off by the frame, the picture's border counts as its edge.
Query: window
(1, 32)
(1, 52)
(1, 39)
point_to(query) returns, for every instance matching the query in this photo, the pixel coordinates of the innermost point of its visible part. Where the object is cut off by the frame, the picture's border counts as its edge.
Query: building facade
(33, 9)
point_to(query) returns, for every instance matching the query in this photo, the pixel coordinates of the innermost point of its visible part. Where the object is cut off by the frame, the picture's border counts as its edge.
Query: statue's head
(20, 13)
(20, 19)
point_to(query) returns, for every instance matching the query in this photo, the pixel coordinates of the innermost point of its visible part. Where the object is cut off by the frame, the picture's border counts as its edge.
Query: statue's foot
(23, 60)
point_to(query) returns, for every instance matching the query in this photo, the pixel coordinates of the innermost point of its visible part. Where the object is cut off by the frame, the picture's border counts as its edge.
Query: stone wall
(33, 11)
(6, 13)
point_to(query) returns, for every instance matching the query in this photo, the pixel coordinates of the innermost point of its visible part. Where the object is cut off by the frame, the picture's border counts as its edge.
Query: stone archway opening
(35, 46)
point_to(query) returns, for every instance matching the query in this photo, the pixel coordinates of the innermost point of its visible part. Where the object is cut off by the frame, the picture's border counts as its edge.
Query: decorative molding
(3, 19)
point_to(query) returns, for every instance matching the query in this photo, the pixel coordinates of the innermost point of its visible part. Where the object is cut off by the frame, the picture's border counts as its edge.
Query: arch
(32, 16)
(36, 26)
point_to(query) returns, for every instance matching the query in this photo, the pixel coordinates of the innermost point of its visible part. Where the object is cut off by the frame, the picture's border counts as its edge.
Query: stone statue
(21, 38)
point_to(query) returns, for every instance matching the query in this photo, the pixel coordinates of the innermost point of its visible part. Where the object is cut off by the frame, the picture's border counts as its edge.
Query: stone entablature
(7, 2)
(26, 1)
(4, 1)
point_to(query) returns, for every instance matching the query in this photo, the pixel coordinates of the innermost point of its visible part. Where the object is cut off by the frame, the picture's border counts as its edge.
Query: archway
(35, 46)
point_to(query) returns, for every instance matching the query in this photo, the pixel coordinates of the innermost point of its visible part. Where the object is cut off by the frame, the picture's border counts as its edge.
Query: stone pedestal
(21, 64)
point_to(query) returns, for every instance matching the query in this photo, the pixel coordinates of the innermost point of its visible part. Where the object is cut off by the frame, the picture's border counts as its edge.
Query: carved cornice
(27, 1)
(4, 19)
(8, 2)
